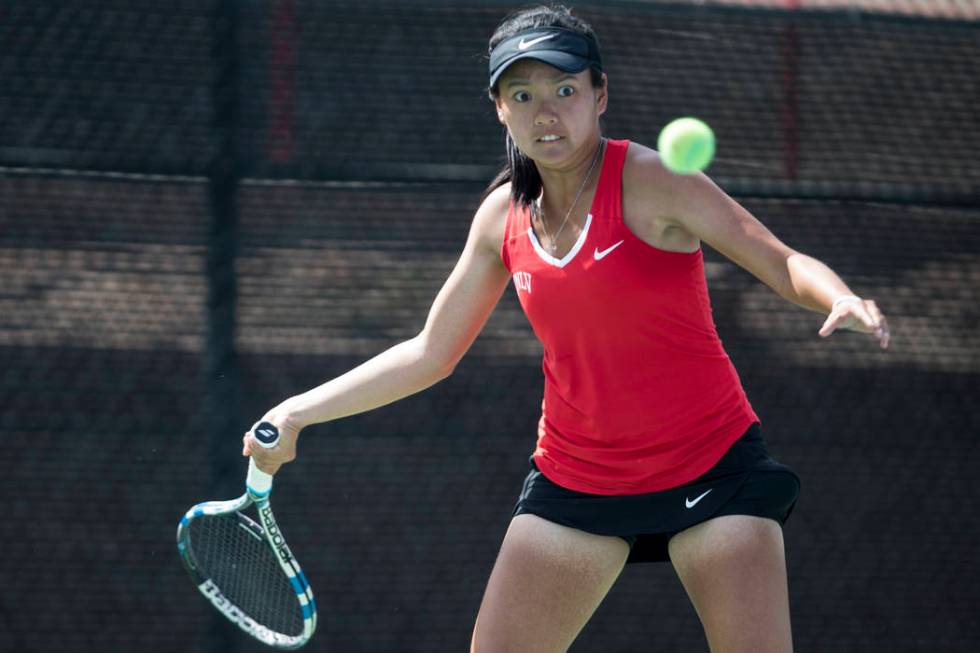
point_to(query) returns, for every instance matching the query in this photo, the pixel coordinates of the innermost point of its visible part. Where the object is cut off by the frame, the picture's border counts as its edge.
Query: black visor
(564, 49)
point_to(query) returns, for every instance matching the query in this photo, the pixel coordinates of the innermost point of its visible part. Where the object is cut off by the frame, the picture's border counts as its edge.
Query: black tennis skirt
(746, 481)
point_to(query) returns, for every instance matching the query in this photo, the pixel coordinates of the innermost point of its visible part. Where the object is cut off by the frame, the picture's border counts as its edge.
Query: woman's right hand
(269, 460)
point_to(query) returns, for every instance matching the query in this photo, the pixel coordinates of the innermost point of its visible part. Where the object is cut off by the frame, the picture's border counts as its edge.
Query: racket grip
(259, 483)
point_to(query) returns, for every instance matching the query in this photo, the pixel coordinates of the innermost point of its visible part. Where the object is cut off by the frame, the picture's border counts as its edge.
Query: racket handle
(259, 483)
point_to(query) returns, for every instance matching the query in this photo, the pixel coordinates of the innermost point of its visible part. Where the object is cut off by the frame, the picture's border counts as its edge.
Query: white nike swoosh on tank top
(600, 255)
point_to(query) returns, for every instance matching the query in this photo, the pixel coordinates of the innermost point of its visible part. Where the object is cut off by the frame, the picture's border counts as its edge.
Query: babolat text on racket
(243, 567)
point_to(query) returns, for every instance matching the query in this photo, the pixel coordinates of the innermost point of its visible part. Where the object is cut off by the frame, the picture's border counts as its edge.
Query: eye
(522, 96)
(565, 91)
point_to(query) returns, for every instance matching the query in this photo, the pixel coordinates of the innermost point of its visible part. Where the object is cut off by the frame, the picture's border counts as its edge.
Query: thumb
(829, 326)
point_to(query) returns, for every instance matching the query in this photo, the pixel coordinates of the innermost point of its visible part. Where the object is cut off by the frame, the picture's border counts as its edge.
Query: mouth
(550, 138)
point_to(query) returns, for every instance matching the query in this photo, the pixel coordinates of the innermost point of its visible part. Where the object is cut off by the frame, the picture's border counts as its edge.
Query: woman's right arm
(455, 319)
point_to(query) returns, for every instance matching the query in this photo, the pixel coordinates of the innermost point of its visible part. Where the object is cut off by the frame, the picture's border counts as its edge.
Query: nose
(545, 115)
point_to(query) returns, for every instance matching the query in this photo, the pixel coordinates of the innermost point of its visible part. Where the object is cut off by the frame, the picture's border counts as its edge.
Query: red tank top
(639, 394)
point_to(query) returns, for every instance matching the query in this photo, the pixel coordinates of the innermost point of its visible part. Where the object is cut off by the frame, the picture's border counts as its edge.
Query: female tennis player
(647, 448)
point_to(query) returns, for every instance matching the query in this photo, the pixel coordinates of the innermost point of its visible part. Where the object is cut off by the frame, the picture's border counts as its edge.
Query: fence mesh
(361, 140)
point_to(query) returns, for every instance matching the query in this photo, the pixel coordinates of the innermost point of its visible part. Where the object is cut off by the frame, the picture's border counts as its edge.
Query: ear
(500, 110)
(602, 95)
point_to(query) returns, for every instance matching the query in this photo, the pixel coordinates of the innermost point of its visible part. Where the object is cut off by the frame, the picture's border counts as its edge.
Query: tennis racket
(244, 568)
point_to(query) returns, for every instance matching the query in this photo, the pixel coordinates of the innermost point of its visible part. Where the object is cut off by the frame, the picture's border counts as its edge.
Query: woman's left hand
(857, 314)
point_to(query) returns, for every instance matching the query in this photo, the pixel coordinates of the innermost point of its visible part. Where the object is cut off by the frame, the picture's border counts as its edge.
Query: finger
(870, 316)
(876, 317)
(266, 466)
(882, 332)
(829, 325)
(879, 324)
(246, 445)
(855, 317)
(269, 460)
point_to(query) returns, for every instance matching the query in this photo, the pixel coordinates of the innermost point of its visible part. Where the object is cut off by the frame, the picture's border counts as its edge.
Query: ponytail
(520, 171)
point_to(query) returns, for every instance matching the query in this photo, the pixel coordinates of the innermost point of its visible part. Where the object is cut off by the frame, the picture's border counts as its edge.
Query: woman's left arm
(700, 207)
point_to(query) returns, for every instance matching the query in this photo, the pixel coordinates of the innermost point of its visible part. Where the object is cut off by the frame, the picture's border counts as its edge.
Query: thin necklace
(588, 176)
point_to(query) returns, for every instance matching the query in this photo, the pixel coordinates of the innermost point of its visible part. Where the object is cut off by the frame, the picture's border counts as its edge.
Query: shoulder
(656, 200)
(644, 174)
(649, 186)
(490, 220)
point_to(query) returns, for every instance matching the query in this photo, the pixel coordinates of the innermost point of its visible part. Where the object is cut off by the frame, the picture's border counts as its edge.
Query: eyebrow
(524, 82)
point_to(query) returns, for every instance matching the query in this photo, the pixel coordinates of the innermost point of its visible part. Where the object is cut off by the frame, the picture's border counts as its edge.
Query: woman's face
(549, 113)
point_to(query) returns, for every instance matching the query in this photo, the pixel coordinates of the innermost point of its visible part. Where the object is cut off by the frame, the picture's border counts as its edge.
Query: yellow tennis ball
(686, 146)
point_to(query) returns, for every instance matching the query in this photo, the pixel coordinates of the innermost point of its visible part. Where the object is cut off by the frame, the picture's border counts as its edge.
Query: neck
(560, 186)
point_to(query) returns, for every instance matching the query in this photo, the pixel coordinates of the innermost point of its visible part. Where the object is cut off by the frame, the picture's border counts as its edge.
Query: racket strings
(242, 565)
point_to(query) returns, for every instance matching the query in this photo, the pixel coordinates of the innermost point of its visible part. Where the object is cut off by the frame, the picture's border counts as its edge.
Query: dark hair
(520, 170)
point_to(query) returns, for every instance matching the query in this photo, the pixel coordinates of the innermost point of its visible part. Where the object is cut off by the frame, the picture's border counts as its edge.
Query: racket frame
(269, 531)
